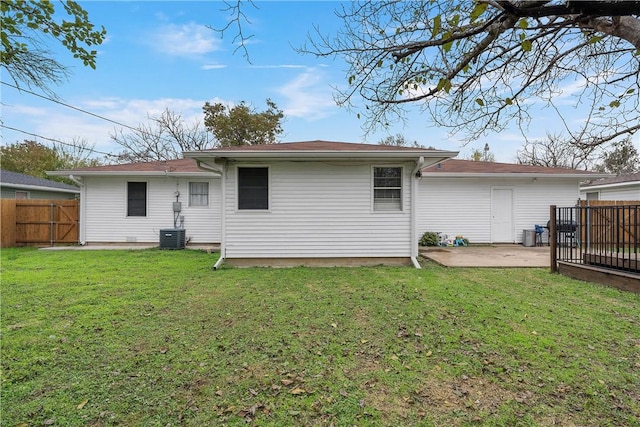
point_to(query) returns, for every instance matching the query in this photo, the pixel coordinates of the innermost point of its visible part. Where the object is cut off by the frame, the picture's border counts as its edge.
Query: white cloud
(63, 124)
(184, 40)
(278, 66)
(308, 96)
(213, 67)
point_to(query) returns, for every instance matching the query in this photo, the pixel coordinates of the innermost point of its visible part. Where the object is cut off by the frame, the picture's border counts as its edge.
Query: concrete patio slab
(489, 256)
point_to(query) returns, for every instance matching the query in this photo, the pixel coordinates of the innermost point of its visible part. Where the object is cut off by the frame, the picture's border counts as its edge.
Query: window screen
(198, 194)
(387, 189)
(253, 188)
(136, 199)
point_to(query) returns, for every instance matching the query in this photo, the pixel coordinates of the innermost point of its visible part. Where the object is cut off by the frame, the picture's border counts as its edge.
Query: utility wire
(137, 130)
(71, 106)
(58, 141)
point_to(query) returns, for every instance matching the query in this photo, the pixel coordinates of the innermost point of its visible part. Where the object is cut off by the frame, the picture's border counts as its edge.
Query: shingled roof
(469, 167)
(186, 167)
(10, 178)
(317, 145)
(620, 179)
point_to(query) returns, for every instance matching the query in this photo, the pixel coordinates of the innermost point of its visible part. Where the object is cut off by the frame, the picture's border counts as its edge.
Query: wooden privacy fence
(39, 222)
(611, 222)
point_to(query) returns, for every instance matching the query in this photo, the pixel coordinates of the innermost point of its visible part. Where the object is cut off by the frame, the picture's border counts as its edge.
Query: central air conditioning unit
(172, 238)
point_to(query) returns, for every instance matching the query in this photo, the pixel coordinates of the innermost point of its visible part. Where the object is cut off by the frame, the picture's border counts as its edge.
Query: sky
(165, 54)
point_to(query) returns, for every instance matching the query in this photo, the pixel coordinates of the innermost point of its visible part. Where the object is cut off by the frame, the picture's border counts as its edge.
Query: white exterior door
(502, 229)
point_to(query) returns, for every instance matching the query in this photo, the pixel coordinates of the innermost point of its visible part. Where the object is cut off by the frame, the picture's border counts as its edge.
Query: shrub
(429, 238)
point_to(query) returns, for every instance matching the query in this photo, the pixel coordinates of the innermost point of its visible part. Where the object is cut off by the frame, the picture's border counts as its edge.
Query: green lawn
(157, 338)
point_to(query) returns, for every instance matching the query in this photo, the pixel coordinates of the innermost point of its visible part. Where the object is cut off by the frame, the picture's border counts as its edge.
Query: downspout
(83, 211)
(415, 176)
(223, 217)
(223, 182)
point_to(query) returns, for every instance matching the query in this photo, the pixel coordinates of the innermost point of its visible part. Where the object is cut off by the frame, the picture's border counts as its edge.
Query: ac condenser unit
(172, 238)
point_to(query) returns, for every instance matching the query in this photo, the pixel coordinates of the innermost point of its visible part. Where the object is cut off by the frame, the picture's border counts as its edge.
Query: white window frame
(237, 185)
(197, 195)
(379, 209)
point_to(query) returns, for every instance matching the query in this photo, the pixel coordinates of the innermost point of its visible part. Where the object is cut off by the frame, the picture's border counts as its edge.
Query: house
(14, 185)
(489, 202)
(622, 187)
(131, 203)
(318, 202)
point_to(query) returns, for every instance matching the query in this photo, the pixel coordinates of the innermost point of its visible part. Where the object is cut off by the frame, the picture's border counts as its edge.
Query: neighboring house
(622, 187)
(489, 202)
(133, 202)
(319, 201)
(14, 185)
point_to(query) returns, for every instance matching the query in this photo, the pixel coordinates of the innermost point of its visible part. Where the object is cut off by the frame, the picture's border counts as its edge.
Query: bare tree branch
(477, 67)
(238, 20)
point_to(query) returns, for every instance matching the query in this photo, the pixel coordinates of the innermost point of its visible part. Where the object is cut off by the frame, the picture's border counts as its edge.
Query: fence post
(552, 239)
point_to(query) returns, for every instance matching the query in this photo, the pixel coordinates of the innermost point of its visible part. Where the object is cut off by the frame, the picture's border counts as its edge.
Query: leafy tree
(164, 139)
(25, 26)
(398, 140)
(242, 125)
(33, 158)
(558, 152)
(623, 158)
(478, 66)
(482, 155)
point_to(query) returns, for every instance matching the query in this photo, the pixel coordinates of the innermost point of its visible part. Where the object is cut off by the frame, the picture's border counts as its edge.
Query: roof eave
(507, 175)
(40, 188)
(319, 155)
(132, 173)
(612, 185)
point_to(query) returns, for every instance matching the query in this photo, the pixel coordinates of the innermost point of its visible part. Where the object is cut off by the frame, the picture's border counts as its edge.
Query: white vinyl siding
(630, 192)
(317, 210)
(462, 206)
(106, 207)
(10, 193)
(198, 194)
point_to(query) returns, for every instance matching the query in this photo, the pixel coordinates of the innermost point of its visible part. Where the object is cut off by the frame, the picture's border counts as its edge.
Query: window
(136, 199)
(198, 194)
(21, 195)
(387, 189)
(593, 196)
(253, 188)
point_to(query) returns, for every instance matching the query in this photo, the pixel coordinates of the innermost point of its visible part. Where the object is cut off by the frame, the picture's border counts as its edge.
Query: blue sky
(160, 54)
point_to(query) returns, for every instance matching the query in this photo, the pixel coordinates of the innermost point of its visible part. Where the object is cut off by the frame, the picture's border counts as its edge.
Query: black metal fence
(599, 236)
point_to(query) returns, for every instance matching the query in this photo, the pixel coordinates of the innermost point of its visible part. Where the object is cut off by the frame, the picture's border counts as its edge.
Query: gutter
(208, 167)
(39, 188)
(415, 175)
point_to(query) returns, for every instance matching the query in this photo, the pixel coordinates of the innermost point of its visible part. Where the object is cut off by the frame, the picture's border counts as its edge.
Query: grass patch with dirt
(156, 338)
